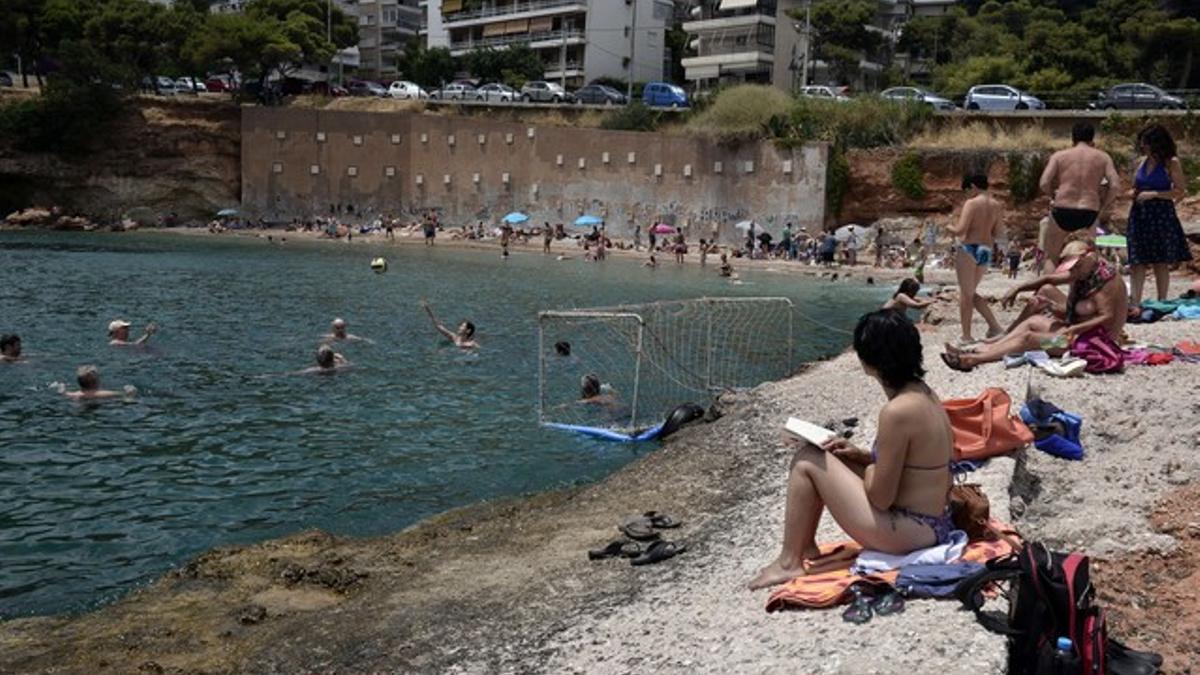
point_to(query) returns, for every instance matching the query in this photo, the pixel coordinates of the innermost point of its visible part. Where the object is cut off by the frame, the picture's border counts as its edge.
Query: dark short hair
(590, 386)
(325, 356)
(890, 343)
(909, 287)
(563, 348)
(1162, 146)
(8, 340)
(470, 328)
(979, 180)
(1083, 132)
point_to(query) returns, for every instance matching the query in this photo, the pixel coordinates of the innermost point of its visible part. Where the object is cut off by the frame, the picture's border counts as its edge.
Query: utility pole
(807, 43)
(562, 59)
(329, 20)
(632, 51)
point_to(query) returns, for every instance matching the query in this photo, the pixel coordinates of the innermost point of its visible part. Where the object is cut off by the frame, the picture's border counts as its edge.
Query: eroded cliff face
(164, 156)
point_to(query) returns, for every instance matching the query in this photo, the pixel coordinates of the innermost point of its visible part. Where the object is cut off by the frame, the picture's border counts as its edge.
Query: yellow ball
(379, 265)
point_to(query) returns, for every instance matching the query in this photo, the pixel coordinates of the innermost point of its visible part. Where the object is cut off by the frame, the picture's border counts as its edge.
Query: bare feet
(780, 571)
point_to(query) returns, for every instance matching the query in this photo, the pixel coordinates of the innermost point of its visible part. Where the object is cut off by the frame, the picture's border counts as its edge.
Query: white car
(496, 93)
(1000, 97)
(827, 93)
(165, 86)
(918, 95)
(407, 90)
(457, 91)
(190, 85)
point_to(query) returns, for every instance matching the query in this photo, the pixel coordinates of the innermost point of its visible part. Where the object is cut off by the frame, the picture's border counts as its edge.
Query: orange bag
(983, 427)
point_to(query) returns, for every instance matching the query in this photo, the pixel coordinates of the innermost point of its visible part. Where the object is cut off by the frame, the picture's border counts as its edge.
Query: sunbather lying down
(892, 498)
(1097, 299)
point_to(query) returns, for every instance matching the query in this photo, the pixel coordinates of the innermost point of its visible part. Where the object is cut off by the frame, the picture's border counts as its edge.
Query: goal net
(624, 368)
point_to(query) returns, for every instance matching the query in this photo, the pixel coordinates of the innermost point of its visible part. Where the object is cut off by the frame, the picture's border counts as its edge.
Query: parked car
(406, 90)
(823, 92)
(1000, 97)
(163, 86)
(918, 95)
(664, 94)
(1137, 96)
(329, 89)
(540, 91)
(5, 79)
(599, 94)
(217, 84)
(367, 88)
(458, 91)
(190, 85)
(496, 93)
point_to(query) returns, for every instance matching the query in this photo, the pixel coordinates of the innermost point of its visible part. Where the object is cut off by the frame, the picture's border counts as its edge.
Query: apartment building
(384, 26)
(578, 40)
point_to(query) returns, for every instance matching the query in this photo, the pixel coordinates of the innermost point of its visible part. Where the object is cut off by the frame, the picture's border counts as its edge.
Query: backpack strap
(969, 592)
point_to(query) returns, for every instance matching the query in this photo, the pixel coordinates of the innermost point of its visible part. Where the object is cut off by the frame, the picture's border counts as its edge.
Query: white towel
(873, 562)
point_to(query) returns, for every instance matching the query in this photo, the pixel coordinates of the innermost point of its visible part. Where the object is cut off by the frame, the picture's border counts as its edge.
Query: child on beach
(981, 218)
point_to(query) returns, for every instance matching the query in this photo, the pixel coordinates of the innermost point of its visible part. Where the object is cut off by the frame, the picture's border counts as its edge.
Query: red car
(217, 84)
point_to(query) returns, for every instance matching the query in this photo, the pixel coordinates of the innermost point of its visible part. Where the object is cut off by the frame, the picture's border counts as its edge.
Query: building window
(395, 139)
(277, 167)
(358, 140)
(280, 135)
(315, 169)
(352, 171)
(389, 171)
(320, 136)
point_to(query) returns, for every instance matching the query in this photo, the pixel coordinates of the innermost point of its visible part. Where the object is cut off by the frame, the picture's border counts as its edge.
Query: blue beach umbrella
(515, 218)
(588, 221)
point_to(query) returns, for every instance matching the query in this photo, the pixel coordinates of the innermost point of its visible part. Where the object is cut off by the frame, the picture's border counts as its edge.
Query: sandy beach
(506, 586)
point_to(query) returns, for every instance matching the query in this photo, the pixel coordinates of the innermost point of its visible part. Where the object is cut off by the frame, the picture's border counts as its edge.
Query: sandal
(859, 611)
(954, 362)
(888, 603)
(616, 549)
(661, 521)
(638, 528)
(658, 552)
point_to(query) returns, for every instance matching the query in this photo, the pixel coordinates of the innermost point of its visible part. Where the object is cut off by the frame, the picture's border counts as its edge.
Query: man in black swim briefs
(1082, 182)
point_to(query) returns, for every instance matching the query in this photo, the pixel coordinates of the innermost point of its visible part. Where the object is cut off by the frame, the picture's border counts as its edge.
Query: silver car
(823, 92)
(544, 92)
(453, 92)
(1000, 97)
(496, 93)
(918, 95)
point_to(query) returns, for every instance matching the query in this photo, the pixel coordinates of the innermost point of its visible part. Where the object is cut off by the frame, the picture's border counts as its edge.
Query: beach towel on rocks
(1101, 352)
(1056, 431)
(874, 562)
(829, 589)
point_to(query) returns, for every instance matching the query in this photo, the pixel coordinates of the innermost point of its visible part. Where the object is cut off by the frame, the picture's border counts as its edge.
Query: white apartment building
(384, 26)
(578, 40)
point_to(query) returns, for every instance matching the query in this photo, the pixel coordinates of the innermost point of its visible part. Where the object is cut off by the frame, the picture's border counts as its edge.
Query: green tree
(843, 37)
(429, 68)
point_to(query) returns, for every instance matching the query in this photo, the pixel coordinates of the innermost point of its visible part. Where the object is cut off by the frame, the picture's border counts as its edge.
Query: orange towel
(829, 589)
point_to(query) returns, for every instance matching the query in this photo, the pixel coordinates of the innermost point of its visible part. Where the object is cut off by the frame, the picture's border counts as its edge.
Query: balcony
(736, 41)
(512, 10)
(553, 38)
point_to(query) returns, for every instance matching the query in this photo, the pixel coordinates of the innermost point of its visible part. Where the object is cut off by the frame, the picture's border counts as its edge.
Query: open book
(809, 431)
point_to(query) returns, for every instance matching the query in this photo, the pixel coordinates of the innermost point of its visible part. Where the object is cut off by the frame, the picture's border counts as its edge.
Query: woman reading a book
(892, 498)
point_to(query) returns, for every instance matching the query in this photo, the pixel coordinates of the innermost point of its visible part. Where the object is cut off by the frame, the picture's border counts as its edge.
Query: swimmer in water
(328, 362)
(591, 392)
(118, 333)
(463, 338)
(651, 262)
(338, 333)
(10, 348)
(726, 270)
(88, 378)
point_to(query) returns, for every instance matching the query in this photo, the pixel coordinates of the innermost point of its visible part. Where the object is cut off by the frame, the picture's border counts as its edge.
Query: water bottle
(1065, 661)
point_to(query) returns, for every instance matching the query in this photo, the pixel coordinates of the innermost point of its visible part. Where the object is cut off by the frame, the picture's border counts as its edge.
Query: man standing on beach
(429, 227)
(1082, 183)
(879, 234)
(547, 236)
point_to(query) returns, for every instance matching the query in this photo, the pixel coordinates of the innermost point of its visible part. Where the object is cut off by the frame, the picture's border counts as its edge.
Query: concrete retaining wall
(297, 163)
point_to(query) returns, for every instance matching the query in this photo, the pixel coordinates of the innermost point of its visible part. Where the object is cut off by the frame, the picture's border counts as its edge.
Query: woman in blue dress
(1155, 236)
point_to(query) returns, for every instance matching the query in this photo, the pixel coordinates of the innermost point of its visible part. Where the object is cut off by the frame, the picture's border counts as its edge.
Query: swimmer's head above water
(118, 329)
(325, 357)
(10, 347)
(562, 348)
(466, 330)
(339, 328)
(88, 378)
(589, 386)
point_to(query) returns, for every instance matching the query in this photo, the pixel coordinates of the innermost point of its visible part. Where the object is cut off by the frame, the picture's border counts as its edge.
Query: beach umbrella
(746, 225)
(588, 221)
(227, 213)
(845, 232)
(1111, 241)
(662, 228)
(515, 218)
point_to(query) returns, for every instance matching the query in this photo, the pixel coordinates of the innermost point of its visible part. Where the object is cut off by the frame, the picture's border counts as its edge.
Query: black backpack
(1050, 596)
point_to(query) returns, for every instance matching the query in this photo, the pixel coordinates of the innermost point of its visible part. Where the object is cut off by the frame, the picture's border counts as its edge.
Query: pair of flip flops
(866, 604)
(657, 551)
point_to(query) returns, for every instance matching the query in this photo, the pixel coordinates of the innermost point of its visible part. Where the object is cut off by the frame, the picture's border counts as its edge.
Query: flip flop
(616, 549)
(888, 603)
(661, 520)
(658, 552)
(953, 362)
(859, 611)
(638, 528)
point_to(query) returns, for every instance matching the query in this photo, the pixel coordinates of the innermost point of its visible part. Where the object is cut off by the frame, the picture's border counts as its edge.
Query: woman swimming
(905, 298)
(894, 498)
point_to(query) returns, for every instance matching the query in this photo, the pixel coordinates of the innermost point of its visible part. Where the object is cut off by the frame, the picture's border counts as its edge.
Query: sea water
(223, 446)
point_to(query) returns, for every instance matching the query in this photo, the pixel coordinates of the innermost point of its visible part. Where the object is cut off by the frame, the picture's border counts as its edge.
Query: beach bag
(934, 581)
(983, 427)
(1051, 596)
(971, 511)
(1102, 353)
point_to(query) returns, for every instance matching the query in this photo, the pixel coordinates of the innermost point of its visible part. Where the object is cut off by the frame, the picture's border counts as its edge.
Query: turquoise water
(222, 447)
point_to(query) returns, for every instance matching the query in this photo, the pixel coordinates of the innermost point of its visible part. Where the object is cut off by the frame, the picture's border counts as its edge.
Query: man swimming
(328, 362)
(10, 348)
(88, 378)
(118, 333)
(591, 392)
(463, 338)
(339, 334)
(1082, 183)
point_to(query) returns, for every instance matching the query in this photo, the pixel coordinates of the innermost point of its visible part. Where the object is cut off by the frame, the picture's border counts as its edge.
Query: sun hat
(1071, 254)
(339, 322)
(117, 324)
